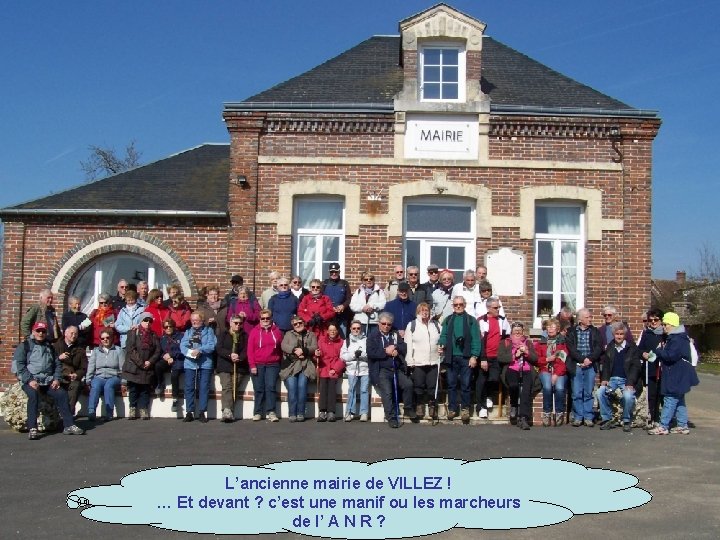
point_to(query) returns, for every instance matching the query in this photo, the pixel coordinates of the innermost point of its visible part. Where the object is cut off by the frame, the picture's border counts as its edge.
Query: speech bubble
(345, 499)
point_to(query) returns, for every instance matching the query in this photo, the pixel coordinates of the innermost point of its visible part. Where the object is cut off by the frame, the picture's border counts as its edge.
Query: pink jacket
(264, 346)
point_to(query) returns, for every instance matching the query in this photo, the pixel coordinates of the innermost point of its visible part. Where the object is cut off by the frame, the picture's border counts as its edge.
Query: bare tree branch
(104, 161)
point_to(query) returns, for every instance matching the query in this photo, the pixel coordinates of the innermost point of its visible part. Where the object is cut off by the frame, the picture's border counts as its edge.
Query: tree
(104, 161)
(703, 288)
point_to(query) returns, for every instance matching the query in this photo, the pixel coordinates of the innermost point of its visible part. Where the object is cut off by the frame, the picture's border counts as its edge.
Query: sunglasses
(399, 271)
(607, 314)
(315, 288)
(369, 280)
(265, 318)
(102, 303)
(458, 305)
(40, 331)
(104, 337)
(167, 326)
(235, 322)
(298, 323)
(334, 271)
(413, 274)
(283, 285)
(433, 271)
(355, 328)
(297, 282)
(654, 319)
(385, 324)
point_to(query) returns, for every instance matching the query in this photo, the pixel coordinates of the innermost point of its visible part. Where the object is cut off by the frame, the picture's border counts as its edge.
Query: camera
(460, 341)
(358, 353)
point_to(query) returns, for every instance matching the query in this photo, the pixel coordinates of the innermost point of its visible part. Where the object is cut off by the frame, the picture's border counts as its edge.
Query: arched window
(103, 274)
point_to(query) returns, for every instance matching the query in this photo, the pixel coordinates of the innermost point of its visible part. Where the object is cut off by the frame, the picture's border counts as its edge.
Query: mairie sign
(441, 137)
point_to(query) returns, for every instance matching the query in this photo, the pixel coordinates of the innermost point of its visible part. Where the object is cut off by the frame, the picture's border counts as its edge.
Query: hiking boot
(577, 423)
(92, 416)
(546, 419)
(364, 417)
(420, 411)
(33, 434)
(513, 415)
(451, 414)
(227, 415)
(483, 413)
(559, 419)
(174, 407)
(465, 416)
(144, 414)
(272, 417)
(589, 423)
(73, 430)
(331, 417)
(322, 417)
(394, 423)
(300, 418)
(189, 417)
(523, 423)
(627, 427)
(292, 419)
(607, 424)
(410, 413)
(132, 413)
(203, 418)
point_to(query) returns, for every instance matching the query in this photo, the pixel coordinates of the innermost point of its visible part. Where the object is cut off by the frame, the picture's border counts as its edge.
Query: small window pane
(545, 279)
(307, 272)
(450, 74)
(450, 91)
(450, 57)
(569, 300)
(319, 215)
(433, 218)
(431, 56)
(569, 253)
(545, 253)
(331, 249)
(568, 278)
(544, 304)
(557, 219)
(412, 253)
(431, 90)
(432, 74)
(456, 257)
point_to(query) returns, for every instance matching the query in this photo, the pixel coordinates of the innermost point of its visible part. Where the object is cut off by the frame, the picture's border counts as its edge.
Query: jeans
(138, 395)
(107, 387)
(582, 391)
(628, 399)
(549, 391)
(458, 372)
(203, 386)
(264, 387)
(297, 394)
(674, 405)
(364, 381)
(61, 402)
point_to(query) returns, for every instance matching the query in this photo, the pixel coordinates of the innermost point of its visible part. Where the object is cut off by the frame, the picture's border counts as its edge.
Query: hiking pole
(434, 420)
(234, 383)
(395, 390)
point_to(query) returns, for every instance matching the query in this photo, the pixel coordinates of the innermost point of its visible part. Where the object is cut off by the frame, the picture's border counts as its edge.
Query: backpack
(412, 325)
(13, 366)
(694, 356)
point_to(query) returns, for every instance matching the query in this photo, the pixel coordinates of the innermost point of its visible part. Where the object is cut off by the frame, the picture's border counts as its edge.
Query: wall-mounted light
(238, 180)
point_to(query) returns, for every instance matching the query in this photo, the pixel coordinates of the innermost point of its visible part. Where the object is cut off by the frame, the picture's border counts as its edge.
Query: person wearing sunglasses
(298, 346)
(103, 317)
(316, 309)
(160, 312)
(652, 336)
(329, 369)
(232, 366)
(518, 357)
(103, 375)
(40, 371)
(283, 305)
(264, 354)
(198, 346)
(172, 359)
(418, 293)
(395, 280)
(297, 289)
(433, 282)
(141, 352)
(340, 294)
(354, 354)
(367, 302)
(610, 316)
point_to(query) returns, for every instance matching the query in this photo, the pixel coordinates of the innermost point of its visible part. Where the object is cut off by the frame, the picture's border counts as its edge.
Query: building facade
(440, 145)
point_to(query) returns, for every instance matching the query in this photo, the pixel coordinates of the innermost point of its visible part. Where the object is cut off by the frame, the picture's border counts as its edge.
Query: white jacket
(471, 296)
(376, 300)
(355, 366)
(422, 344)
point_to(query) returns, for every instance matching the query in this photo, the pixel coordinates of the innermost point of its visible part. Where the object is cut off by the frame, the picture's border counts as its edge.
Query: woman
(367, 302)
(214, 310)
(421, 338)
(299, 347)
(103, 317)
(297, 289)
(248, 308)
(354, 354)
(198, 347)
(264, 353)
(518, 355)
(103, 374)
(74, 317)
(329, 370)
(316, 309)
(129, 316)
(232, 366)
(650, 339)
(142, 351)
(678, 376)
(283, 305)
(442, 297)
(179, 311)
(171, 359)
(158, 310)
(551, 354)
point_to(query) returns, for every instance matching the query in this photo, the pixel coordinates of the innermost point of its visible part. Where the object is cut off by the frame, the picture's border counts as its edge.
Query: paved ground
(681, 472)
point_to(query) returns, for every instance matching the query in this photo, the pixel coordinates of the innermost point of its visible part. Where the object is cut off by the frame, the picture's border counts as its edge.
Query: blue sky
(81, 73)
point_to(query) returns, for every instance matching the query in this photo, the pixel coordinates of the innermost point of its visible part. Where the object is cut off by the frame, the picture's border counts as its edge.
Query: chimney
(680, 277)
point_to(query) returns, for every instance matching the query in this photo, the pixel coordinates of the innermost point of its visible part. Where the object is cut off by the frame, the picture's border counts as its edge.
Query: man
(392, 286)
(584, 345)
(461, 346)
(40, 371)
(143, 289)
(118, 301)
(481, 273)
(418, 293)
(610, 316)
(493, 329)
(386, 351)
(402, 309)
(468, 289)
(43, 312)
(620, 371)
(433, 282)
(74, 364)
(236, 282)
(270, 291)
(338, 290)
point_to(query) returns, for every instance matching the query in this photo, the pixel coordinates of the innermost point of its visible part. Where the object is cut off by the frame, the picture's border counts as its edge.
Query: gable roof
(192, 182)
(370, 75)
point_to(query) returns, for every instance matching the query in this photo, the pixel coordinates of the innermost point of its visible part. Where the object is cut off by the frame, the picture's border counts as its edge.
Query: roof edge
(242, 106)
(105, 212)
(572, 111)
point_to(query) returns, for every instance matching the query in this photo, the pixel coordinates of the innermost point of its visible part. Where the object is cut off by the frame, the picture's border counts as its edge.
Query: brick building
(439, 145)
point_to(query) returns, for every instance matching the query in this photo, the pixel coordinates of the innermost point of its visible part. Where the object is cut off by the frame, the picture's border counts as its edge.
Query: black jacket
(574, 357)
(224, 349)
(632, 364)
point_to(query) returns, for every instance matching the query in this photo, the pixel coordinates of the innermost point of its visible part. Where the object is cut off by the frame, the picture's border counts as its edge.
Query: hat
(403, 286)
(39, 326)
(146, 315)
(673, 319)
(334, 266)
(236, 279)
(433, 267)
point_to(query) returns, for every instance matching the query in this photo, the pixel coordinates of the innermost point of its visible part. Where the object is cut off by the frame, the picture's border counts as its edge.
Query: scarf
(367, 290)
(283, 294)
(214, 305)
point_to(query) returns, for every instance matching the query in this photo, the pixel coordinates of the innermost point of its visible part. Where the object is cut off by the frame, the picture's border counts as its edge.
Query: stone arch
(109, 242)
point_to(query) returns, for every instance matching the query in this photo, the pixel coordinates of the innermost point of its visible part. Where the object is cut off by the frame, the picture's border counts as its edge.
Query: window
(319, 237)
(103, 274)
(442, 73)
(441, 234)
(559, 258)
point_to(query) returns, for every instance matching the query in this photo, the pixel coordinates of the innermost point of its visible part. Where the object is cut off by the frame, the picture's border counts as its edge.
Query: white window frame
(557, 240)
(461, 70)
(320, 235)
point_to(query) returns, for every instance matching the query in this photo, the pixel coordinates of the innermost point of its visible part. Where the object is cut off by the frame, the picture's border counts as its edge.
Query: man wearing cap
(433, 282)
(402, 309)
(40, 371)
(338, 290)
(236, 282)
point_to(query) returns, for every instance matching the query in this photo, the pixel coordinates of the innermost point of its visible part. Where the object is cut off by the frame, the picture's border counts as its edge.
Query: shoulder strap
(412, 325)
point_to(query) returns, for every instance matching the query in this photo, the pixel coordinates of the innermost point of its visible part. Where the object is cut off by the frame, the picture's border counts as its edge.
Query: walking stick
(395, 389)
(234, 383)
(434, 419)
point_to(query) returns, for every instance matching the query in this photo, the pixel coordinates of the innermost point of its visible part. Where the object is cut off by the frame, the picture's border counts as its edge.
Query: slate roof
(370, 73)
(195, 180)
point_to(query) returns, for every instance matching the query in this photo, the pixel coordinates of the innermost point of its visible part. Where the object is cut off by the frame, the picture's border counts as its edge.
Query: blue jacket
(283, 306)
(404, 312)
(37, 361)
(205, 342)
(678, 374)
(126, 319)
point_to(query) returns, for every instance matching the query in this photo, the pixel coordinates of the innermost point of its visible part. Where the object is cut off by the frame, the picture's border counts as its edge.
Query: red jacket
(263, 346)
(181, 316)
(160, 313)
(542, 361)
(330, 357)
(322, 306)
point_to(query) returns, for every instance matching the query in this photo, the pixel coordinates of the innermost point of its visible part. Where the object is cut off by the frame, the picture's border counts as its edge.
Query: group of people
(407, 339)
